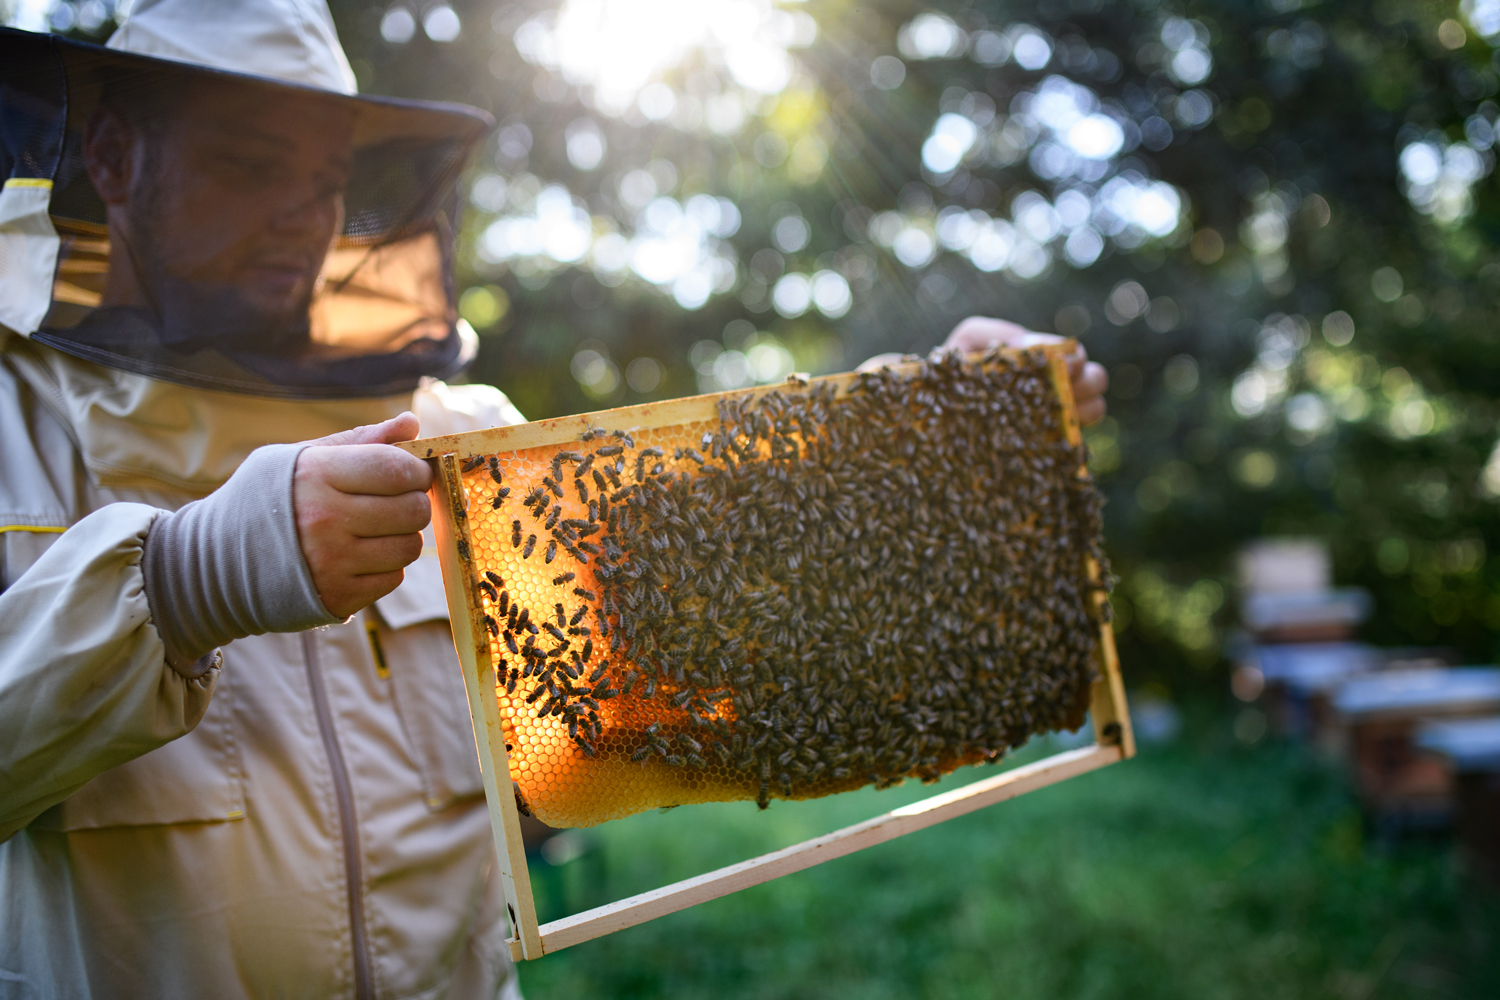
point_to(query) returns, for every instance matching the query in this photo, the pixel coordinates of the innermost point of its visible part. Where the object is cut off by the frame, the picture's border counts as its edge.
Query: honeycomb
(815, 592)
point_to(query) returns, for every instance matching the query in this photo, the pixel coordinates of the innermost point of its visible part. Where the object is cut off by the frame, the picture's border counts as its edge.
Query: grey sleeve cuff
(230, 565)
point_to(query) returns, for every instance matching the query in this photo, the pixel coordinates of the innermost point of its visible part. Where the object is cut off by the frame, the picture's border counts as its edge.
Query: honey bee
(778, 577)
(530, 544)
(472, 462)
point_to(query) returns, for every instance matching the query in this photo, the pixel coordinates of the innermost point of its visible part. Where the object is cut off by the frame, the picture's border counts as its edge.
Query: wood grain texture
(1108, 712)
(687, 410)
(451, 532)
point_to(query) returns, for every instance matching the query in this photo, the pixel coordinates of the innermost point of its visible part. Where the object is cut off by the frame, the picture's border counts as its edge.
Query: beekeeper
(202, 793)
(235, 753)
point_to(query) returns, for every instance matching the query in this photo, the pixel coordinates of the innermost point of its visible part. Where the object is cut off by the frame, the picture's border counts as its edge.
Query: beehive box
(776, 593)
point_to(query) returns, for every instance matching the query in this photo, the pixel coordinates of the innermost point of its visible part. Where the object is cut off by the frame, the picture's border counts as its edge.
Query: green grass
(1200, 870)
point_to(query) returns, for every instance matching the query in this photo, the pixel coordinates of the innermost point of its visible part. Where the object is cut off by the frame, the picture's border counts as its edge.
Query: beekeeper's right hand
(301, 535)
(361, 506)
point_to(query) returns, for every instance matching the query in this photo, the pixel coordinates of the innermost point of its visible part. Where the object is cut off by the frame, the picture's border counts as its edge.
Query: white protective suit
(300, 815)
(219, 822)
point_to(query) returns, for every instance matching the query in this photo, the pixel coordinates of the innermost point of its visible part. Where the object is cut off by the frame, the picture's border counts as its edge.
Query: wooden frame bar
(1114, 740)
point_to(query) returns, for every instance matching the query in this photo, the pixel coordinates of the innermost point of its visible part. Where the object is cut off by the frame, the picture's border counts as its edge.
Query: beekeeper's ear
(110, 152)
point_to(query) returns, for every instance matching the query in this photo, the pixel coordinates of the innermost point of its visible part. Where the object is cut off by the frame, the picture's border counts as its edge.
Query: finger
(402, 427)
(332, 564)
(1088, 393)
(881, 361)
(363, 515)
(1091, 412)
(375, 469)
(1091, 382)
(981, 333)
(387, 554)
(353, 594)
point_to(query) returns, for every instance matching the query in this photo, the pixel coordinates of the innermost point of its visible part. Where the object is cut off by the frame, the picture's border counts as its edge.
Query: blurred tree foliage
(1298, 321)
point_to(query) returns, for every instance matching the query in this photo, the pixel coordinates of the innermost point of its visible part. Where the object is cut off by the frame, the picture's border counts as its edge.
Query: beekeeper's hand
(980, 333)
(361, 506)
(301, 535)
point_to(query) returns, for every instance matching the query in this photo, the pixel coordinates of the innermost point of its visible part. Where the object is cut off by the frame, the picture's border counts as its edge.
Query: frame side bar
(451, 530)
(898, 822)
(1107, 707)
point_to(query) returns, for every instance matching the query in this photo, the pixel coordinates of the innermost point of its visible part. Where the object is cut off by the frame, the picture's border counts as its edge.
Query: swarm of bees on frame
(817, 592)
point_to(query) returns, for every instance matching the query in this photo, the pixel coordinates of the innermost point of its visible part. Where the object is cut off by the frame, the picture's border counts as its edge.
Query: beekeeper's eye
(331, 181)
(250, 171)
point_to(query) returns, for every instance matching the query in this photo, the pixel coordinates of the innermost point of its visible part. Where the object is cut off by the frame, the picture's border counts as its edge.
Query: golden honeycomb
(661, 734)
(559, 784)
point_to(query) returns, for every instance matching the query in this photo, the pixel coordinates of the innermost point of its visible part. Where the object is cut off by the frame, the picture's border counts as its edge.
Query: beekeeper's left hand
(981, 333)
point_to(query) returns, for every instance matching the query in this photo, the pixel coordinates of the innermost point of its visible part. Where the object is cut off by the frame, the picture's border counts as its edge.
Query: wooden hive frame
(1107, 710)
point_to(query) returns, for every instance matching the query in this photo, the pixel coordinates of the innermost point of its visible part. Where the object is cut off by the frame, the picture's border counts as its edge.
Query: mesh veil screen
(810, 594)
(237, 233)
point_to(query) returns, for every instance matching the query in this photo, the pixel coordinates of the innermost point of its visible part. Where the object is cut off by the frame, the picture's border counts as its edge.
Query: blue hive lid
(1472, 744)
(1415, 692)
(1315, 666)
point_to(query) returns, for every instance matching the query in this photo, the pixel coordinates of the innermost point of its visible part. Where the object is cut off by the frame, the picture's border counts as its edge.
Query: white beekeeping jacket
(303, 818)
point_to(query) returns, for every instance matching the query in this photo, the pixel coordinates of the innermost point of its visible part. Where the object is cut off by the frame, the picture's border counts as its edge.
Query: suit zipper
(364, 984)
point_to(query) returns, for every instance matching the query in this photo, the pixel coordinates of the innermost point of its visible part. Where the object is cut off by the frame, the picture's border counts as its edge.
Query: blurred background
(1274, 222)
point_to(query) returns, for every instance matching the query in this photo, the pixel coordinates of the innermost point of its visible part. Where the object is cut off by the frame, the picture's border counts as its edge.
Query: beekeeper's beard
(198, 314)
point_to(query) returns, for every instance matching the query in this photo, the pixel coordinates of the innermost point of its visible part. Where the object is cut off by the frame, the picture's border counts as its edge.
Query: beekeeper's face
(232, 198)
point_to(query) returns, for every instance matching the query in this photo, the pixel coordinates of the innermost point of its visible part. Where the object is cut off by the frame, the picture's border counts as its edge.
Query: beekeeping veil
(207, 201)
